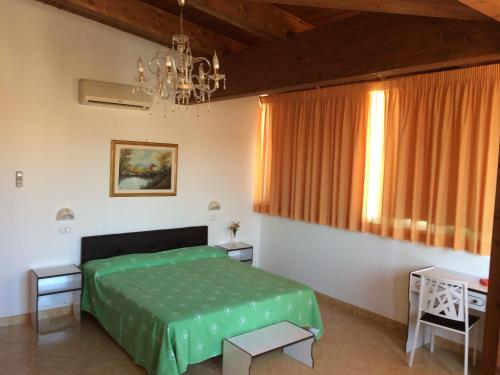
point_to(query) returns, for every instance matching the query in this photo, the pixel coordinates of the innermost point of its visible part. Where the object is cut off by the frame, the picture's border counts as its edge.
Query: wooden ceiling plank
(427, 8)
(366, 47)
(265, 20)
(341, 15)
(147, 21)
(319, 16)
(491, 8)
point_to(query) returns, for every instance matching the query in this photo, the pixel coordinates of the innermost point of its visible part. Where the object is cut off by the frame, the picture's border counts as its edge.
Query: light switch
(19, 179)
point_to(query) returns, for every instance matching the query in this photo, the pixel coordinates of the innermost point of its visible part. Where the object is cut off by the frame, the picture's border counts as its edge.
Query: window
(415, 160)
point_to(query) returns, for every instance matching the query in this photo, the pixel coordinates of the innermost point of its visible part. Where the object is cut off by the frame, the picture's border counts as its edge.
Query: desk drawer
(477, 301)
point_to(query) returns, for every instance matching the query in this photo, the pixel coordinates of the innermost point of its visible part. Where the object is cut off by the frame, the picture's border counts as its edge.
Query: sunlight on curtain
(263, 173)
(374, 157)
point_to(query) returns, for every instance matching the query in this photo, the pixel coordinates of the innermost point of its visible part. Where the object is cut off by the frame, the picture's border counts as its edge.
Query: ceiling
(233, 25)
(240, 30)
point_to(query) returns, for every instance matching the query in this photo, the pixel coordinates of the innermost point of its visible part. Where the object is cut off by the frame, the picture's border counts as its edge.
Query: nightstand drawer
(239, 251)
(241, 255)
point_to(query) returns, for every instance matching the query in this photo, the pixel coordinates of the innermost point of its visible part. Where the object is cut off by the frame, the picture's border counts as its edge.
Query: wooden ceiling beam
(147, 21)
(367, 47)
(264, 20)
(343, 15)
(491, 8)
(427, 8)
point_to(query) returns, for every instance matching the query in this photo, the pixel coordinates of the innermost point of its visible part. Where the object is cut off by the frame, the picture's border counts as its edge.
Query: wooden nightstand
(51, 281)
(240, 251)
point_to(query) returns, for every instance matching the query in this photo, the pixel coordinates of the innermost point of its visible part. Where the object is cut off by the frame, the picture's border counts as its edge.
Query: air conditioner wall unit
(109, 94)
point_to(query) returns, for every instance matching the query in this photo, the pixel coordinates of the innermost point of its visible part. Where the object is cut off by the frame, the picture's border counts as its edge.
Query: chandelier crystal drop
(176, 75)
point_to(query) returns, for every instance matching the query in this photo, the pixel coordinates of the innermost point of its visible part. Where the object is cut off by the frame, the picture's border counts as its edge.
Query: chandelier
(173, 73)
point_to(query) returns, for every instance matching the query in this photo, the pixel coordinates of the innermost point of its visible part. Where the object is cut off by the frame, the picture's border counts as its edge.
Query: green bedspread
(174, 308)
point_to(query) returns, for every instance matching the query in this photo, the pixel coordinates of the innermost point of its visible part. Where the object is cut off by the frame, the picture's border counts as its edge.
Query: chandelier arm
(211, 90)
(149, 91)
(203, 89)
(154, 61)
(197, 60)
(165, 97)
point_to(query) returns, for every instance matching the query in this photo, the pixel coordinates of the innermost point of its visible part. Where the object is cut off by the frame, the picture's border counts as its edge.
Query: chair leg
(466, 353)
(476, 334)
(433, 332)
(415, 339)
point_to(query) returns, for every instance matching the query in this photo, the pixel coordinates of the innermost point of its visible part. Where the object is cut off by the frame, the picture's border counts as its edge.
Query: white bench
(238, 351)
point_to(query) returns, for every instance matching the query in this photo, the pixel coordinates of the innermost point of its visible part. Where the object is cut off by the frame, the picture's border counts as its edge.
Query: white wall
(362, 269)
(63, 147)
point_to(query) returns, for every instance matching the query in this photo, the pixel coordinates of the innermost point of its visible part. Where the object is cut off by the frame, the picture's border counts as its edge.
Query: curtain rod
(382, 78)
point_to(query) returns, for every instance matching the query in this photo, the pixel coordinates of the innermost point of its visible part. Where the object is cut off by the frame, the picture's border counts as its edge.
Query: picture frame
(141, 169)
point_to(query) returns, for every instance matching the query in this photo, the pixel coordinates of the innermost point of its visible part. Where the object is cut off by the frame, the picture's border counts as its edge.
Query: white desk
(477, 298)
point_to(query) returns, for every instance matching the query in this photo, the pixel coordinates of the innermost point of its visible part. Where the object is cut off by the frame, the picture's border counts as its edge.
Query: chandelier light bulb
(140, 65)
(216, 62)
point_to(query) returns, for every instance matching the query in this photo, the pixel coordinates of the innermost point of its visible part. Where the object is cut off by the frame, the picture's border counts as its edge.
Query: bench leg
(234, 360)
(301, 351)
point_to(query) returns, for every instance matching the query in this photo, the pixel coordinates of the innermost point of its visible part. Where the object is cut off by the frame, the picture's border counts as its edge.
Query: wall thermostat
(19, 179)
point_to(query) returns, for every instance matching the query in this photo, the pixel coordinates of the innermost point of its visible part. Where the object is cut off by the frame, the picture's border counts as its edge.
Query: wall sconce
(65, 214)
(214, 206)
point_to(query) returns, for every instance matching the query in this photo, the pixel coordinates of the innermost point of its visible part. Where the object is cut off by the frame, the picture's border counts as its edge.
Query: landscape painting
(143, 169)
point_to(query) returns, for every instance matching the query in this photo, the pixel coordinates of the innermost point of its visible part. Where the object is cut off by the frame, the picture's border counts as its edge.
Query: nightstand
(52, 281)
(240, 251)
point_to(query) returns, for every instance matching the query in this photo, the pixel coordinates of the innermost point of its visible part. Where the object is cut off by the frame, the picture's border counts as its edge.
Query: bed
(169, 300)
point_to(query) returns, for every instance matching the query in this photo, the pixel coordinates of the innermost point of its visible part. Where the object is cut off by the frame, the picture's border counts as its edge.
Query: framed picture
(143, 169)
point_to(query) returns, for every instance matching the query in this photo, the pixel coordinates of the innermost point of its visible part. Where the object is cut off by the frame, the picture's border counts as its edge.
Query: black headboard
(110, 245)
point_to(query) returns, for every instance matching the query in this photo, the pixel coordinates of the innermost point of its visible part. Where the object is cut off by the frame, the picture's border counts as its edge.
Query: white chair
(444, 304)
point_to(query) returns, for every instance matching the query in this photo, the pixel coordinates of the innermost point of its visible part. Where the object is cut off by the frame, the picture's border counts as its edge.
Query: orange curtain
(440, 158)
(311, 155)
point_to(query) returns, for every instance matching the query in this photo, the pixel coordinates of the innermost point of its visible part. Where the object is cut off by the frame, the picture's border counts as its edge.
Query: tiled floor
(351, 345)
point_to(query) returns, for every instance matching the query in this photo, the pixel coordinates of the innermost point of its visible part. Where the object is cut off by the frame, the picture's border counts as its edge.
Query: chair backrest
(444, 298)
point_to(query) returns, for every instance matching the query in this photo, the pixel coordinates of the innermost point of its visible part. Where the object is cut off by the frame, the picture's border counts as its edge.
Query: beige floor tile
(350, 346)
